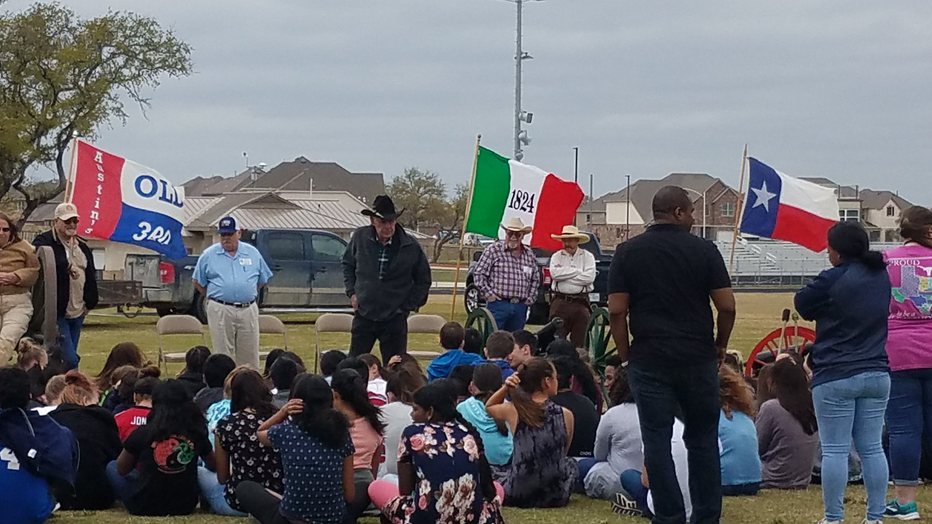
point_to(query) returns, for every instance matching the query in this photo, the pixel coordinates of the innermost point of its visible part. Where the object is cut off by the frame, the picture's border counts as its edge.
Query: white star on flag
(763, 197)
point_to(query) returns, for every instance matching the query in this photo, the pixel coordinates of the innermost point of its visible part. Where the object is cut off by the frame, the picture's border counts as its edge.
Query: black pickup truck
(540, 310)
(307, 275)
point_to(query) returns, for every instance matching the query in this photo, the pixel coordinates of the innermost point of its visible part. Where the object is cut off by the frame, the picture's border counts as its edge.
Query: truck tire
(165, 311)
(199, 308)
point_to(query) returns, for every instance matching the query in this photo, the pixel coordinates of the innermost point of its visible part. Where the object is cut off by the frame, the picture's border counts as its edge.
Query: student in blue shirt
(451, 340)
(24, 497)
(498, 347)
(230, 274)
(737, 436)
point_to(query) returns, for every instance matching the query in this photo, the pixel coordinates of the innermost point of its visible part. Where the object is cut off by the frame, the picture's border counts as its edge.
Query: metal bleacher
(768, 263)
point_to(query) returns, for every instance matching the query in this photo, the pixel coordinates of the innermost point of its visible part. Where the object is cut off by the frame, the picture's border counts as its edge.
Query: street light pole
(628, 208)
(576, 165)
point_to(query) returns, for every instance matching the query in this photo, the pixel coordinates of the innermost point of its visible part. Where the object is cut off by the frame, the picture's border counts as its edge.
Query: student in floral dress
(442, 469)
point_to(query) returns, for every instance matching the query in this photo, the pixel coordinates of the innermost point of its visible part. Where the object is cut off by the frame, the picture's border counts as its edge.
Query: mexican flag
(506, 188)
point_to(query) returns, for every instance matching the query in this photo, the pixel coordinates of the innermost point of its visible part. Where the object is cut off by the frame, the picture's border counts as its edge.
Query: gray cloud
(816, 89)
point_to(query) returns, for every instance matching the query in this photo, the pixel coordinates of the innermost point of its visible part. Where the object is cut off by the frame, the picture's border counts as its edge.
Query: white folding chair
(330, 323)
(177, 325)
(425, 324)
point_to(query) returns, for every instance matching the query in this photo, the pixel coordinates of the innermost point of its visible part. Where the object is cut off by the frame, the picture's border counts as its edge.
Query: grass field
(758, 314)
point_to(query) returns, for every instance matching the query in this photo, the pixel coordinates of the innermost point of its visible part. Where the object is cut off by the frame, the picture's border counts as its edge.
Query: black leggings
(258, 502)
(361, 502)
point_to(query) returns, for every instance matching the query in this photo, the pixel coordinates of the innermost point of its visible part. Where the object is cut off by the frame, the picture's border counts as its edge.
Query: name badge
(245, 261)
(527, 270)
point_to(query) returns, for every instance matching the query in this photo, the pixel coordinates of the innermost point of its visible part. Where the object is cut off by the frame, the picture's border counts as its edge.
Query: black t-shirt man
(585, 422)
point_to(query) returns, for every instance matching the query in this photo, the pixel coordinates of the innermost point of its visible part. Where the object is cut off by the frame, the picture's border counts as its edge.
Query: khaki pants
(234, 331)
(15, 313)
(575, 317)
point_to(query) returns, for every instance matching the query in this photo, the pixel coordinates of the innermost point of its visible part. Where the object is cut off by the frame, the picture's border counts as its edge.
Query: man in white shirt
(572, 271)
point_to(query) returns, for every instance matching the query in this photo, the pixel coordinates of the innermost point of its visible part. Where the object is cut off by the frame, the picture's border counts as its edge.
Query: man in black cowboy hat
(387, 276)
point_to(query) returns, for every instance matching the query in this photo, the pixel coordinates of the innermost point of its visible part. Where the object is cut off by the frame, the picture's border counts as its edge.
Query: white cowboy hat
(515, 224)
(571, 232)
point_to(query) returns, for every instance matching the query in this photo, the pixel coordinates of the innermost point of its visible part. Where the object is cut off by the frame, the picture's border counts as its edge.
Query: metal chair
(425, 324)
(177, 325)
(272, 325)
(330, 323)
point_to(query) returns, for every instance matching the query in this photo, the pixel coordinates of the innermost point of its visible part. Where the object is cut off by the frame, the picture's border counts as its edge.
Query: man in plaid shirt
(507, 276)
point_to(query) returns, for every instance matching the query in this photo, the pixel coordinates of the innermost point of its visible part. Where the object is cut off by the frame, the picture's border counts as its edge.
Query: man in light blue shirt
(230, 274)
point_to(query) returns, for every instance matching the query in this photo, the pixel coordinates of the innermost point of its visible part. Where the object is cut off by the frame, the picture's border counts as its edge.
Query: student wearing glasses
(76, 277)
(19, 269)
(507, 276)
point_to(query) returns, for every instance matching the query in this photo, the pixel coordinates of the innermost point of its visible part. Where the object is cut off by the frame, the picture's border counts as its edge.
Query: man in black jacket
(76, 278)
(387, 276)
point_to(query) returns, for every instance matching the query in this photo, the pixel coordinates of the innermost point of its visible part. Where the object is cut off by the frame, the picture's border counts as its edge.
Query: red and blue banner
(123, 201)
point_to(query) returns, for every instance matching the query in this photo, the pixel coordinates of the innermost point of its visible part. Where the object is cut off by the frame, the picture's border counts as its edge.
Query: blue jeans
(846, 409)
(584, 465)
(508, 316)
(69, 329)
(909, 412)
(631, 483)
(122, 486)
(660, 392)
(212, 490)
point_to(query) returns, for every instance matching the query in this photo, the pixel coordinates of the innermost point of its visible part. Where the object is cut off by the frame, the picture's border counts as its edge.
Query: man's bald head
(672, 204)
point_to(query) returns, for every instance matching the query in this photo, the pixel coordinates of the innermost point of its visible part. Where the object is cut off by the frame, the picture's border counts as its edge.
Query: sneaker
(865, 521)
(826, 521)
(903, 512)
(625, 506)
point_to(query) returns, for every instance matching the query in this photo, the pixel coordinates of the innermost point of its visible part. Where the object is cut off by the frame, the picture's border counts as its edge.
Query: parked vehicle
(539, 311)
(306, 267)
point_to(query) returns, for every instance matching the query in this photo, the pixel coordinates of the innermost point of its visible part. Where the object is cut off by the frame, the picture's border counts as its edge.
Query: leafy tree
(62, 76)
(422, 194)
(449, 226)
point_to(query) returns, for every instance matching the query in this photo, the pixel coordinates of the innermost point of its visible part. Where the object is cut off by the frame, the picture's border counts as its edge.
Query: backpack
(44, 447)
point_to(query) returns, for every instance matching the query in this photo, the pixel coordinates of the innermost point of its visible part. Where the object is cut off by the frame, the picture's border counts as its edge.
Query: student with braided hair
(445, 452)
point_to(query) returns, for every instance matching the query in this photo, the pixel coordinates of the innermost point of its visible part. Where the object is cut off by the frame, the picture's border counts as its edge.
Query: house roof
(218, 185)
(843, 191)
(643, 191)
(871, 199)
(269, 211)
(326, 176)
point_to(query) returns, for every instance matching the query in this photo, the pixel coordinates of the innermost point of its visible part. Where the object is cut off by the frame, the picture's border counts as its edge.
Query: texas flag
(785, 208)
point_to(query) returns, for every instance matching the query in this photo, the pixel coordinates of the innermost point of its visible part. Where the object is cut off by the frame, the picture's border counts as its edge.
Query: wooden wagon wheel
(481, 318)
(598, 337)
(796, 338)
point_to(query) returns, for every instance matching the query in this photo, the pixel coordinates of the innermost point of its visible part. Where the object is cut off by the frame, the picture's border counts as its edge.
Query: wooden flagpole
(739, 210)
(71, 168)
(459, 257)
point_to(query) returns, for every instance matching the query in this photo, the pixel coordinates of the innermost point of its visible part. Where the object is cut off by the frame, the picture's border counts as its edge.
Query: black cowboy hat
(384, 208)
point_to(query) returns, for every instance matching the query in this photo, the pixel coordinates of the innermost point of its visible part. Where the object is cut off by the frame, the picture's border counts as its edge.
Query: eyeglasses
(71, 221)
(5, 230)
(516, 234)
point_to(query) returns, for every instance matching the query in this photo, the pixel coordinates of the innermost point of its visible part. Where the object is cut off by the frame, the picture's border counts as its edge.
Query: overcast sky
(833, 89)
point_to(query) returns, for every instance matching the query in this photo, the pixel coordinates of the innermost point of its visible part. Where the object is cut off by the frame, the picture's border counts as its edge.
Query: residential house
(880, 214)
(849, 203)
(614, 216)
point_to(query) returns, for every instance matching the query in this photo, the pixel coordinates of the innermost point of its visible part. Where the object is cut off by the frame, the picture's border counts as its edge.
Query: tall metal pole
(518, 59)
(576, 166)
(628, 208)
(590, 202)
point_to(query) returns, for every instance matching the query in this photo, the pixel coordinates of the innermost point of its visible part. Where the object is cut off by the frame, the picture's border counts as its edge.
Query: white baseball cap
(66, 211)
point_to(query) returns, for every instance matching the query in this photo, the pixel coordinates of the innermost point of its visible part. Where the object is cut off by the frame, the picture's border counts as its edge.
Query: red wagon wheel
(795, 338)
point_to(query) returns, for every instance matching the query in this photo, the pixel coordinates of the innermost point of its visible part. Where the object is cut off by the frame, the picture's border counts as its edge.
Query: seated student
(270, 361)
(737, 438)
(127, 421)
(361, 368)
(24, 497)
(240, 455)
(283, 373)
(126, 386)
(618, 445)
(540, 475)
(787, 432)
(636, 498)
(221, 408)
(451, 340)
(216, 369)
(440, 460)
(376, 383)
(317, 459)
(192, 376)
(156, 473)
(366, 428)
(472, 341)
(397, 416)
(329, 361)
(525, 349)
(583, 380)
(122, 354)
(498, 348)
(112, 401)
(33, 358)
(98, 441)
(461, 377)
(612, 364)
(585, 417)
(496, 435)
(404, 361)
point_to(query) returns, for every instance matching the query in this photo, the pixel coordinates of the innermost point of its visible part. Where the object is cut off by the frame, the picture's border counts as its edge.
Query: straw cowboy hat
(384, 208)
(571, 232)
(515, 224)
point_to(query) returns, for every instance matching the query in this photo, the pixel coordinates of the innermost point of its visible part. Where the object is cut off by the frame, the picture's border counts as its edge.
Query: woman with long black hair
(317, 457)
(366, 428)
(442, 470)
(540, 475)
(165, 450)
(850, 376)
